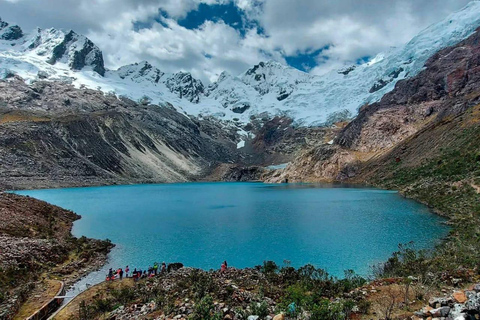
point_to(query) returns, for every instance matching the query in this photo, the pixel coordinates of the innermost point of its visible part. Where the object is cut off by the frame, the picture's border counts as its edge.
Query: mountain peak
(66, 46)
(8, 32)
(139, 72)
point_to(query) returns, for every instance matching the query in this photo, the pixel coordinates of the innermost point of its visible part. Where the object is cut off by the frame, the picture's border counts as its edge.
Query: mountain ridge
(278, 90)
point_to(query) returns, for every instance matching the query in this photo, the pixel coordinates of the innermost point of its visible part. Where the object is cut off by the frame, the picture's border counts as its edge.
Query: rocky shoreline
(36, 244)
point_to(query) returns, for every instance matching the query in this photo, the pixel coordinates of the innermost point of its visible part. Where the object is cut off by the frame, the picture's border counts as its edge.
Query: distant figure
(127, 270)
(155, 268)
(110, 274)
(135, 275)
(164, 267)
(225, 263)
(121, 274)
(223, 267)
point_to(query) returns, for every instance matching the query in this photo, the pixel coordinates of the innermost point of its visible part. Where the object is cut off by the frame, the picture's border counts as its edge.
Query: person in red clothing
(223, 267)
(127, 270)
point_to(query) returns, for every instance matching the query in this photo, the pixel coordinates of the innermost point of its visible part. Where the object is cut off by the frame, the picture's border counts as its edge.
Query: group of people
(141, 274)
(136, 274)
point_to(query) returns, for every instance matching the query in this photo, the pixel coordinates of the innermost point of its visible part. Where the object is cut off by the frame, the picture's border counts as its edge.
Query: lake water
(202, 224)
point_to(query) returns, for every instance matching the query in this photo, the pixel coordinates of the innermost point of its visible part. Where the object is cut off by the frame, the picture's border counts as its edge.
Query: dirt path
(42, 294)
(89, 296)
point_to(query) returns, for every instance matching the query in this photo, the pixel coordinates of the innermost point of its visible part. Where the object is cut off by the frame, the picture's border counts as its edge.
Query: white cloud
(351, 29)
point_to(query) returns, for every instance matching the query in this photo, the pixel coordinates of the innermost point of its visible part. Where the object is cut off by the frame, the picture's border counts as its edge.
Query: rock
(185, 86)
(473, 302)
(440, 312)
(11, 33)
(459, 296)
(42, 75)
(253, 318)
(476, 287)
(279, 317)
(440, 302)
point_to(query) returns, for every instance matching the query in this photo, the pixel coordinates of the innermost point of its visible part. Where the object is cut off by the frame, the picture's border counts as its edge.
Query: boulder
(440, 312)
(440, 302)
(460, 297)
(279, 317)
(476, 287)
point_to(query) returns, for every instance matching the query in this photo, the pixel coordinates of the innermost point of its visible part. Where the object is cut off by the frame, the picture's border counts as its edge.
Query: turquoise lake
(201, 224)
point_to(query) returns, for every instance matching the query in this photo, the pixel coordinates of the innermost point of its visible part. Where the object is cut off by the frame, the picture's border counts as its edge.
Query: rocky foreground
(462, 304)
(268, 292)
(36, 244)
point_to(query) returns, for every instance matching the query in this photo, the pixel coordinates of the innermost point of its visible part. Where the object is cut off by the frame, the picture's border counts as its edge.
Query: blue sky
(233, 16)
(206, 37)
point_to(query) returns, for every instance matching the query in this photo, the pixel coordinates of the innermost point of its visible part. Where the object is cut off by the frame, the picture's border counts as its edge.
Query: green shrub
(269, 267)
(204, 310)
(259, 309)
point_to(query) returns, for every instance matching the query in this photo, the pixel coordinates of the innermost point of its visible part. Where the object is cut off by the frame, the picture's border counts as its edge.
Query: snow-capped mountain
(268, 88)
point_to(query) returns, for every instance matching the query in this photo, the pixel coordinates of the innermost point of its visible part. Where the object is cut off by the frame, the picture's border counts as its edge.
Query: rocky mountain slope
(55, 135)
(268, 88)
(422, 138)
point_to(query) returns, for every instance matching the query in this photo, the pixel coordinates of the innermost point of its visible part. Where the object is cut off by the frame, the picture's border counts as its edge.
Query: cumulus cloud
(348, 29)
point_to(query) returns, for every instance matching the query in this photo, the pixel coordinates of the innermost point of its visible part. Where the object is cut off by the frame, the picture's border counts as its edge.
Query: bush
(403, 263)
(201, 283)
(204, 310)
(269, 267)
(327, 310)
(259, 309)
(123, 296)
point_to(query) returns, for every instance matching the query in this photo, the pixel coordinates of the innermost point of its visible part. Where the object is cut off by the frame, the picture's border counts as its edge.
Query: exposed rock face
(185, 86)
(56, 135)
(3, 24)
(79, 51)
(278, 141)
(140, 72)
(273, 77)
(8, 32)
(244, 174)
(11, 33)
(448, 87)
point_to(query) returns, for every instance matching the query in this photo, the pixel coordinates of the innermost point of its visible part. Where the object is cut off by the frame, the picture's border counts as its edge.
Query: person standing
(127, 270)
(155, 268)
(120, 273)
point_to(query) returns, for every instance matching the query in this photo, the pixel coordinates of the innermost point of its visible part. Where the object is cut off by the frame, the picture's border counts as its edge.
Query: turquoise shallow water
(202, 224)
